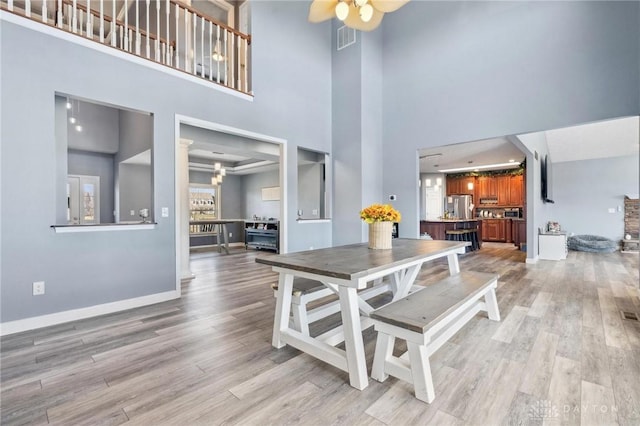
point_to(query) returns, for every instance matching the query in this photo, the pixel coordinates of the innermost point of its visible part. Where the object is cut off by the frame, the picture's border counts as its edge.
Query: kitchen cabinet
(516, 190)
(502, 189)
(497, 230)
(519, 232)
(493, 230)
(460, 185)
(487, 189)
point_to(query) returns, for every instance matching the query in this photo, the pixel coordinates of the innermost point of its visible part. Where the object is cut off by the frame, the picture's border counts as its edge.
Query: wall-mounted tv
(545, 177)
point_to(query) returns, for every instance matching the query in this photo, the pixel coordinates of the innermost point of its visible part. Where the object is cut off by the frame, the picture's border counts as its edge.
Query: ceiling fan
(363, 15)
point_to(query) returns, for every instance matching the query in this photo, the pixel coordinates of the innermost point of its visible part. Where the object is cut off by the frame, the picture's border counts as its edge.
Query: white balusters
(114, 25)
(211, 50)
(245, 65)
(148, 31)
(126, 25)
(137, 27)
(177, 32)
(89, 26)
(157, 44)
(74, 17)
(101, 21)
(193, 43)
(219, 52)
(222, 55)
(202, 26)
(226, 59)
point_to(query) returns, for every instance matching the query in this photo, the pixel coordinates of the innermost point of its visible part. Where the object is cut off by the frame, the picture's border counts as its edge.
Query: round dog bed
(592, 243)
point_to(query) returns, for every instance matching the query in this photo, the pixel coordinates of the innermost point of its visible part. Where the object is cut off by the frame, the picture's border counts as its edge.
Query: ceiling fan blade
(354, 21)
(387, 6)
(321, 10)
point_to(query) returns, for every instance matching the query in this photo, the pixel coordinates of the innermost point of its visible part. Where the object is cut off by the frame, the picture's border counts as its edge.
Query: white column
(183, 209)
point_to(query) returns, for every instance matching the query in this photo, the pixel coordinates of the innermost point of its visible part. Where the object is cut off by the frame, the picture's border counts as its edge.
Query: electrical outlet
(132, 212)
(38, 288)
(314, 212)
(230, 234)
(165, 212)
(612, 210)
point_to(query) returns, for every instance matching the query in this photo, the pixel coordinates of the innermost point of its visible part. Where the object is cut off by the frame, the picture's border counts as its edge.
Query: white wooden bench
(426, 319)
(306, 290)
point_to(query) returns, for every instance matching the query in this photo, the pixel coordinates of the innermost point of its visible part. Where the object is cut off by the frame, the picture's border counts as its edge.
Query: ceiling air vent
(346, 37)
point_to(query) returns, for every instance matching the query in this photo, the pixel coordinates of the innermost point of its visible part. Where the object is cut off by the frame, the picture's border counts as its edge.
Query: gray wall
(475, 70)
(100, 127)
(94, 164)
(309, 190)
(129, 264)
(135, 191)
(583, 192)
(253, 203)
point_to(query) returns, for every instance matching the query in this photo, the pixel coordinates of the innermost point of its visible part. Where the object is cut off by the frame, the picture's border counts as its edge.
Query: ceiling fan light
(360, 3)
(223, 172)
(342, 10)
(72, 120)
(366, 12)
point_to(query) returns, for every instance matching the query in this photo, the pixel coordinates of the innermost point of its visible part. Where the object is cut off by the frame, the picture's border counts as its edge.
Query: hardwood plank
(614, 332)
(564, 392)
(538, 371)
(217, 338)
(597, 405)
(511, 324)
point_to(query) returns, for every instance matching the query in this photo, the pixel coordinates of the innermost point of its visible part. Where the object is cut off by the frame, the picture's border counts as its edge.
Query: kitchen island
(437, 228)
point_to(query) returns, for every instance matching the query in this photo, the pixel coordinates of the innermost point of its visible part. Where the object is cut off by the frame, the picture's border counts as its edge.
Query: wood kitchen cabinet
(460, 185)
(516, 190)
(493, 230)
(502, 189)
(487, 187)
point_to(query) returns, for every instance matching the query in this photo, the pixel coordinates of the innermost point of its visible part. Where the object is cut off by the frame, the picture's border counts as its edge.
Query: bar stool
(475, 243)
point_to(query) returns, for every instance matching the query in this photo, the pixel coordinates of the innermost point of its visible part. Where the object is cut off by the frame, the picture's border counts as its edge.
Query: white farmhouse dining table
(345, 270)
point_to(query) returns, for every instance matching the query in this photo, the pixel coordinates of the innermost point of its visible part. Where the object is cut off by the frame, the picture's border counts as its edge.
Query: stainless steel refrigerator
(459, 206)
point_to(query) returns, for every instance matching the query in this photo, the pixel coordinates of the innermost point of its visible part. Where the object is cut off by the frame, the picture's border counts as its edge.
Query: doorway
(83, 200)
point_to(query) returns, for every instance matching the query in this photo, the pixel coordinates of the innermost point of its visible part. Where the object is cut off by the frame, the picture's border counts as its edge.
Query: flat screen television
(545, 177)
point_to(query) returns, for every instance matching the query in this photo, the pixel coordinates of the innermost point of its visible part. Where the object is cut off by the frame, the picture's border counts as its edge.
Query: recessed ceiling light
(79, 128)
(488, 166)
(470, 162)
(512, 160)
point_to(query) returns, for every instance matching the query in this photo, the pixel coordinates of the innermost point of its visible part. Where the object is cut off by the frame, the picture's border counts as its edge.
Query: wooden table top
(358, 260)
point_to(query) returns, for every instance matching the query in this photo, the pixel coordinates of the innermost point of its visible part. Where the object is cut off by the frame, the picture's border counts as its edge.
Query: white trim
(532, 261)
(33, 323)
(69, 229)
(109, 50)
(311, 221)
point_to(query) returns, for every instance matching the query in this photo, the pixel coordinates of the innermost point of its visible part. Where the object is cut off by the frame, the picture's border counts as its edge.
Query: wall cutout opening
(313, 187)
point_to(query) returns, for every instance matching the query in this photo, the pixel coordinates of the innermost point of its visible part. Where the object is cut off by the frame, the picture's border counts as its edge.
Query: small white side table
(552, 245)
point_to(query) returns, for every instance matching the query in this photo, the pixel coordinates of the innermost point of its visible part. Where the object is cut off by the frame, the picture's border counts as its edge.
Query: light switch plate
(612, 210)
(165, 212)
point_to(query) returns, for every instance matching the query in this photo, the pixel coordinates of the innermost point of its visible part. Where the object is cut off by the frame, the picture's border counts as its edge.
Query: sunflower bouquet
(380, 213)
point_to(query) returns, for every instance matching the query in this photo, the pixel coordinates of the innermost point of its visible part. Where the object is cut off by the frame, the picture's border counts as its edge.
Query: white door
(433, 202)
(83, 199)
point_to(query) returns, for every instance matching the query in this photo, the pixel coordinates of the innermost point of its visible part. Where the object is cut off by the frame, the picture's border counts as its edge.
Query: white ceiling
(470, 154)
(611, 138)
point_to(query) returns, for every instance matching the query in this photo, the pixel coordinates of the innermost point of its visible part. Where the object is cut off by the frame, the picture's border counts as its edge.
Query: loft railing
(164, 31)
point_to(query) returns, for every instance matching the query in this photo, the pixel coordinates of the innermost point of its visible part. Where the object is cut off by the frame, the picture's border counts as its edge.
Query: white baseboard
(12, 327)
(532, 261)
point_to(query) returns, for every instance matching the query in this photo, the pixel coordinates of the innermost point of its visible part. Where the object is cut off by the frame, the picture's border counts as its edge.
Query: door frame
(182, 221)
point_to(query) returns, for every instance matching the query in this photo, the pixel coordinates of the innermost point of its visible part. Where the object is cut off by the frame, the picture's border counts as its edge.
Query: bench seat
(426, 320)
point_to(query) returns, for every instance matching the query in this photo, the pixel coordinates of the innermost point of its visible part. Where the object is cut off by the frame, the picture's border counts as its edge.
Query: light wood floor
(562, 354)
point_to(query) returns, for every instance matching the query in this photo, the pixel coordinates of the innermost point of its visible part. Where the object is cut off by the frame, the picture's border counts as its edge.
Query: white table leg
(454, 266)
(283, 308)
(354, 345)
(407, 278)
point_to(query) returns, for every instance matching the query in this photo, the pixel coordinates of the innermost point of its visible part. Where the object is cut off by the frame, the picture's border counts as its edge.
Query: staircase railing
(164, 31)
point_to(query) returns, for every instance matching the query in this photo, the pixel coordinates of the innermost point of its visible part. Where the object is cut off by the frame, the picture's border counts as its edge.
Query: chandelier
(363, 15)
(218, 173)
